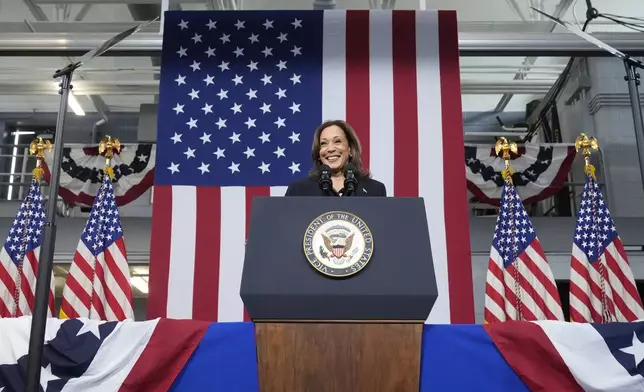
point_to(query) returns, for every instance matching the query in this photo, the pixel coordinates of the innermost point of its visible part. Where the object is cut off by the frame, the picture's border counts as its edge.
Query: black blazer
(308, 186)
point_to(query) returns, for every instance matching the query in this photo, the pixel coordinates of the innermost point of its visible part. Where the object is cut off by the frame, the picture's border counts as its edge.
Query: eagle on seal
(338, 249)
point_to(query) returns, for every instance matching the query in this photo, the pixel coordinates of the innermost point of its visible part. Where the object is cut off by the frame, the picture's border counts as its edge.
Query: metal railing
(15, 183)
(18, 178)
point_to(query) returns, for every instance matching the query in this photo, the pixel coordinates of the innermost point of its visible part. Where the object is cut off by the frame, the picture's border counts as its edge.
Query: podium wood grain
(330, 357)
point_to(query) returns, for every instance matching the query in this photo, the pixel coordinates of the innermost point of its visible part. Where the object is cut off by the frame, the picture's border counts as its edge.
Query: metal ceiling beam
(83, 12)
(517, 10)
(151, 87)
(560, 10)
(72, 26)
(113, 1)
(35, 10)
(474, 27)
(470, 44)
(28, 72)
(39, 15)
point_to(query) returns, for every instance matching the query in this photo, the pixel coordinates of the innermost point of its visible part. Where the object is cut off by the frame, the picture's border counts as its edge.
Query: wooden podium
(318, 333)
(333, 357)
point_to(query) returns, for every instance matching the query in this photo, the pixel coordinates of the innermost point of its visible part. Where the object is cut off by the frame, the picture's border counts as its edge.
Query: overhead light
(140, 283)
(14, 156)
(24, 133)
(73, 102)
(74, 105)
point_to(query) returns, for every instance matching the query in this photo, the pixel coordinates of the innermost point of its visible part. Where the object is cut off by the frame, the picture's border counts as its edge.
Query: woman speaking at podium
(337, 166)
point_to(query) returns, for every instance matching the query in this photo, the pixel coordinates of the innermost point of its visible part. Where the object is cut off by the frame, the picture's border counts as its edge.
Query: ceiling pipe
(151, 87)
(560, 10)
(470, 44)
(464, 26)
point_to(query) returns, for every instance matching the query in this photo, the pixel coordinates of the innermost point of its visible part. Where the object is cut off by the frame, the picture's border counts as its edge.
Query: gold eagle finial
(503, 148)
(37, 148)
(107, 147)
(586, 144)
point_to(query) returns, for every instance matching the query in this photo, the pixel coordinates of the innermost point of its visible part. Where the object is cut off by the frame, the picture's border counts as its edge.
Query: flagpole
(503, 148)
(46, 259)
(586, 144)
(633, 79)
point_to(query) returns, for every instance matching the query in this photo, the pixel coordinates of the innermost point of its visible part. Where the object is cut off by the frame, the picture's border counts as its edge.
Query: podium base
(355, 357)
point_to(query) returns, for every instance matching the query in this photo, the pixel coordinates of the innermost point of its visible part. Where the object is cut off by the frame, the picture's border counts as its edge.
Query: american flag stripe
(394, 77)
(543, 281)
(535, 279)
(596, 247)
(203, 221)
(402, 55)
(26, 301)
(585, 287)
(110, 281)
(9, 274)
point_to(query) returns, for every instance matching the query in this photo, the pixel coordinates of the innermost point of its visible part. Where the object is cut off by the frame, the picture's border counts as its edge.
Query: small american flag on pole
(519, 284)
(241, 95)
(98, 283)
(19, 258)
(602, 287)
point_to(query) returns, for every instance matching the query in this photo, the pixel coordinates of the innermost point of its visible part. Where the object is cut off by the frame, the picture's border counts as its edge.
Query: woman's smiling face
(334, 148)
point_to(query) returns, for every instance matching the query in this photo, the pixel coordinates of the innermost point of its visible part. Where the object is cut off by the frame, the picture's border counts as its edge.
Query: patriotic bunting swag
(81, 174)
(519, 283)
(98, 283)
(82, 355)
(539, 171)
(20, 254)
(602, 287)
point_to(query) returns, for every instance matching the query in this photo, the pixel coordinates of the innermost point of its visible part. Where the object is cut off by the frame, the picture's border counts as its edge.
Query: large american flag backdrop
(240, 97)
(602, 286)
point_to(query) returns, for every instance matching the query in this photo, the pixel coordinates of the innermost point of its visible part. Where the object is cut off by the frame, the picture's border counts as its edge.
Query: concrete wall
(595, 101)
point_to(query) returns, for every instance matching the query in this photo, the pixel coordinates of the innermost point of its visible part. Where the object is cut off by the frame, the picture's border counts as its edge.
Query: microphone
(350, 180)
(324, 180)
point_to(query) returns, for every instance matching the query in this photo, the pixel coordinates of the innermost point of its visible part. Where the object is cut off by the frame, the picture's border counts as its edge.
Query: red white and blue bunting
(82, 173)
(539, 171)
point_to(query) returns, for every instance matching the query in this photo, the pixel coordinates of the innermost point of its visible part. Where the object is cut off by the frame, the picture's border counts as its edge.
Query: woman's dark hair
(355, 152)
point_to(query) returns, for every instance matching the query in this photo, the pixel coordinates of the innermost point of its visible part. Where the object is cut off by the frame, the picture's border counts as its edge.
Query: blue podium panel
(396, 282)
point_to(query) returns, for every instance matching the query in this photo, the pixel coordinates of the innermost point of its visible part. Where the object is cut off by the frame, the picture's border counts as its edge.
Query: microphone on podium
(324, 181)
(350, 181)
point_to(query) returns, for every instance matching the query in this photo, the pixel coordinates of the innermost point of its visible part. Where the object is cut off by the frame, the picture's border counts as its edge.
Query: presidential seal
(338, 244)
